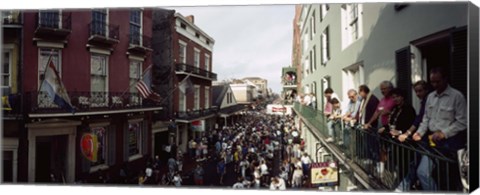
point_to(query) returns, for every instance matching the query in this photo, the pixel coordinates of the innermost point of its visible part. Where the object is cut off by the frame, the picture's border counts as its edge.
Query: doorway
(7, 166)
(51, 162)
(161, 140)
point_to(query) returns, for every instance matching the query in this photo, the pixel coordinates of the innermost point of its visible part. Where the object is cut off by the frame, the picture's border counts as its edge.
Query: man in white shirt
(443, 126)
(307, 100)
(305, 163)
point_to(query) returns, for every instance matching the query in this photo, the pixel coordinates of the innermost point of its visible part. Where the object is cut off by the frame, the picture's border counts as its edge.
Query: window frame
(139, 154)
(207, 97)
(182, 59)
(106, 77)
(196, 57)
(139, 25)
(196, 98)
(106, 153)
(10, 64)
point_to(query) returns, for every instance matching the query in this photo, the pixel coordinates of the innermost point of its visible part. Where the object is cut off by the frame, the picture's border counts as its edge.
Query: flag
(186, 86)
(144, 86)
(55, 88)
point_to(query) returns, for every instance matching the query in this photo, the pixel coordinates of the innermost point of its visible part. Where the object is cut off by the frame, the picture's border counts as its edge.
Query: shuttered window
(458, 68)
(404, 82)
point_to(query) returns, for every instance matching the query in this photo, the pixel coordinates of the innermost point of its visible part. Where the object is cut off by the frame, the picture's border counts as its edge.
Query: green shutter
(458, 68)
(404, 69)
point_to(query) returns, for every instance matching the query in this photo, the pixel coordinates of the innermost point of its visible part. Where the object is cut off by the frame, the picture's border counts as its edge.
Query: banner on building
(198, 125)
(324, 172)
(89, 146)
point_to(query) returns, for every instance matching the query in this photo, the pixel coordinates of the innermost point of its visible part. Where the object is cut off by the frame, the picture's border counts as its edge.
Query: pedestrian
(177, 179)
(297, 177)
(239, 184)
(221, 170)
(198, 175)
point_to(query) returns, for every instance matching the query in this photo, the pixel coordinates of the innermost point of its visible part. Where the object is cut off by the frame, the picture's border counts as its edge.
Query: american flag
(143, 86)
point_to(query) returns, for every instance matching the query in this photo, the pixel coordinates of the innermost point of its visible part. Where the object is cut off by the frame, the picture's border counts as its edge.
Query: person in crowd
(349, 117)
(307, 99)
(306, 164)
(333, 119)
(239, 184)
(192, 145)
(177, 179)
(198, 175)
(328, 96)
(297, 177)
(367, 109)
(172, 164)
(401, 116)
(221, 170)
(421, 90)
(314, 100)
(443, 125)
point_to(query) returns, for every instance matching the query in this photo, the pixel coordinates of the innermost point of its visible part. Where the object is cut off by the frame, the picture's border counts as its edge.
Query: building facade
(261, 85)
(344, 46)
(100, 55)
(190, 67)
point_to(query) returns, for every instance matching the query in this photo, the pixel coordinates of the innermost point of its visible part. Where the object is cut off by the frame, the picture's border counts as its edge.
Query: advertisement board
(324, 172)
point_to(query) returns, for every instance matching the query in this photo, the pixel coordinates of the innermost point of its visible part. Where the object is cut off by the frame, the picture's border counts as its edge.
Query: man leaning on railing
(444, 124)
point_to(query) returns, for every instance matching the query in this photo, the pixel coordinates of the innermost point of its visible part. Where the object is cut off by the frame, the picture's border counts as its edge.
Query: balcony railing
(189, 115)
(11, 105)
(104, 30)
(140, 40)
(363, 148)
(40, 102)
(54, 20)
(11, 18)
(181, 67)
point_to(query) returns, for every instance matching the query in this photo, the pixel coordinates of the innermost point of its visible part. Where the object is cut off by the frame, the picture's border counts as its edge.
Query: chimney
(191, 19)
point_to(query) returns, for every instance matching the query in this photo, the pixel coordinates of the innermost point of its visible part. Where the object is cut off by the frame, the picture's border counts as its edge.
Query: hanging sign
(325, 172)
(89, 146)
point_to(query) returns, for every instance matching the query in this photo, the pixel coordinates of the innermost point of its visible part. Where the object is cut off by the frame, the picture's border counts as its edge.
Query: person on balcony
(444, 125)
(329, 95)
(383, 111)
(421, 90)
(349, 117)
(313, 98)
(365, 113)
(333, 119)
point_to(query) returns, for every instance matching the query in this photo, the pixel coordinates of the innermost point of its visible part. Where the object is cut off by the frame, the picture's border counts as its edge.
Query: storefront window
(134, 138)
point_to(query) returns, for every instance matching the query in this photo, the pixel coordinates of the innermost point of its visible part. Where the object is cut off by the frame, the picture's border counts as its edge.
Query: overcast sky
(249, 40)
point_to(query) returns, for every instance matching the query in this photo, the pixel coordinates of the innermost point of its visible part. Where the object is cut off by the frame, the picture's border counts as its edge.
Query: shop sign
(324, 172)
(89, 146)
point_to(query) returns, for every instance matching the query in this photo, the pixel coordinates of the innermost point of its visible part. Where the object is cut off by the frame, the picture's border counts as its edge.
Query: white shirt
(305, 160)
(307, 100)
(264, 169)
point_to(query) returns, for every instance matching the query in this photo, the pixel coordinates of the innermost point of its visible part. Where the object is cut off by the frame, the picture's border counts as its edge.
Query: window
(197, 35)
(324, 9)
(99, 80)
(44, 100)
(135, 75)
(7, 68)
(207, 97)
(313, 23)
(101, 133)
(311, 29)
(134, 138)
(182, 103)
(207, 62)
(196, 59)
(314, 57)
(136, 27)
(50, 19)
(99, 22)
(351, 23)
(325, 47)
(197, 98)
(184, 26)
(353, 77)
(182, 52)
(311, 61)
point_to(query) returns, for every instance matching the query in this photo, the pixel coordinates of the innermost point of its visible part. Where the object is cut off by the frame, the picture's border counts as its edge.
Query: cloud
(249, 40)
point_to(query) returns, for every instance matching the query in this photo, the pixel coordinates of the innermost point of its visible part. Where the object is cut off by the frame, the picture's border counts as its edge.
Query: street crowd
(259, 151)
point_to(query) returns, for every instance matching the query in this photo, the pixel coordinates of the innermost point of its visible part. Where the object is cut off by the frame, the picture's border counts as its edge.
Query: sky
(250, 41)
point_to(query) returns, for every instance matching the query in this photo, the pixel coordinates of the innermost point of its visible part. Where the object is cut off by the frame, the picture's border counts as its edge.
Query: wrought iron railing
(40, 102)
(11, 17)
(195, 70)
(54, 20)
(137, 38)
(102, 29)
(368, 149)
(192, 114)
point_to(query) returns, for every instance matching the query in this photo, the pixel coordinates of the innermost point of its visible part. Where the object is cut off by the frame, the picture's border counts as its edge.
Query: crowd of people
(259, 151)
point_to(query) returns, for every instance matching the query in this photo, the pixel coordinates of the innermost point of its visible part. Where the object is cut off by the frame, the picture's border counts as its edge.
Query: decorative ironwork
(182, 67)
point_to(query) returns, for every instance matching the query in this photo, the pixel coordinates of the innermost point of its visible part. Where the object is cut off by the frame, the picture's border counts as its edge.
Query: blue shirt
(353, 107)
